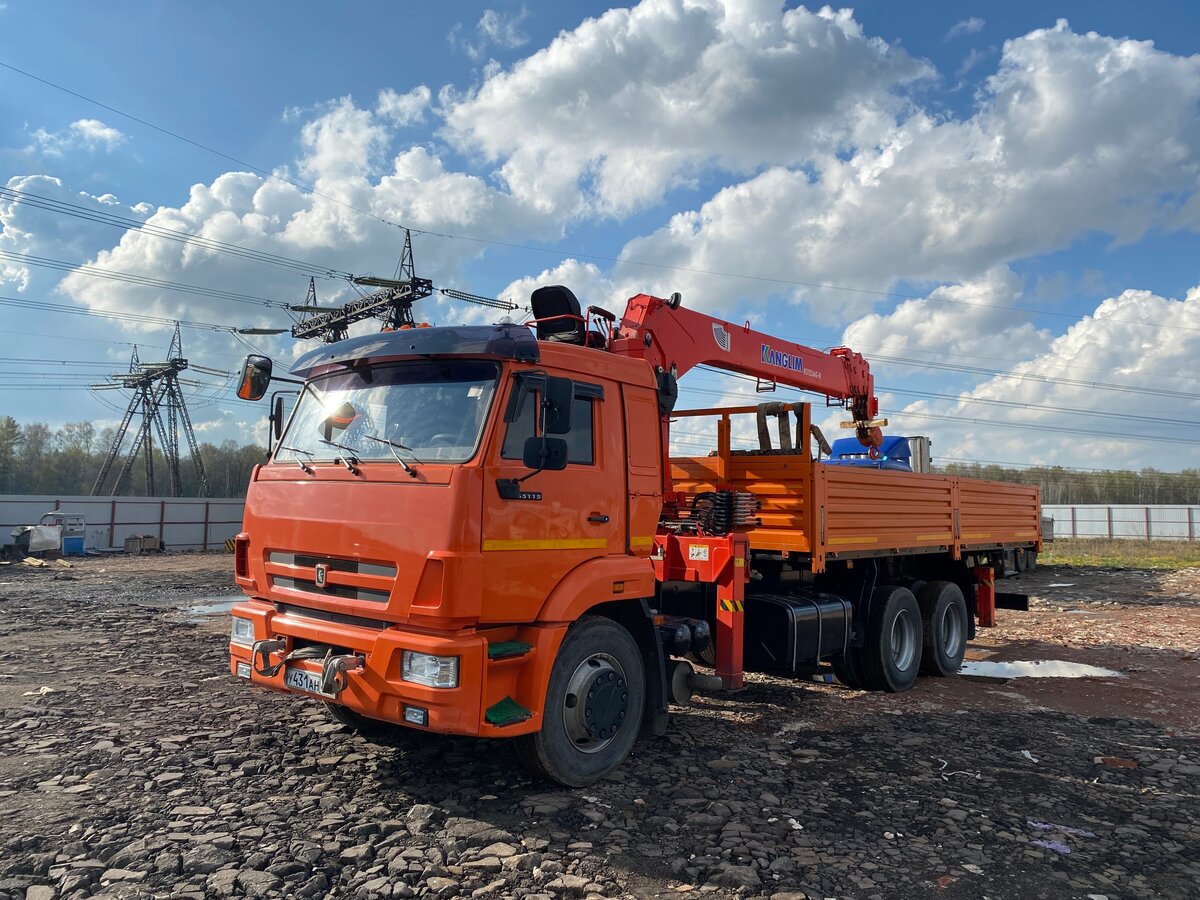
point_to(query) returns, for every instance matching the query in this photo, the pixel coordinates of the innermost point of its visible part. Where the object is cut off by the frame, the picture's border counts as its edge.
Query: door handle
(598, 519)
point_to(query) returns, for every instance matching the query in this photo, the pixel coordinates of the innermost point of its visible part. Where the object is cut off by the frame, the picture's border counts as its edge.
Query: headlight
(242, 631)
(431, 671)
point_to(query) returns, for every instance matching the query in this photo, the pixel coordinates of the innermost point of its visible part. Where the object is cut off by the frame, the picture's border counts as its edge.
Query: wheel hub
(952, 632)
(596, 702)
(903, 640)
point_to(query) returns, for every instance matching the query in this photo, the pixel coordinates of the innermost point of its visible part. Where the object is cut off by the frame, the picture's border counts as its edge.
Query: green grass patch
(1133, 554)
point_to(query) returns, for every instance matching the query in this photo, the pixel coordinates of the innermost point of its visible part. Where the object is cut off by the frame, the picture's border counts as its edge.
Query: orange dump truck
(480, 531)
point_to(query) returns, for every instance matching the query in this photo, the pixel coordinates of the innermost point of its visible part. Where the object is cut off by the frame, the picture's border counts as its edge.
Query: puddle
(1039, 668)
(203, 607)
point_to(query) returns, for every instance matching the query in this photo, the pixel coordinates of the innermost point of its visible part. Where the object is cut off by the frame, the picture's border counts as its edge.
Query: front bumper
(379, 692)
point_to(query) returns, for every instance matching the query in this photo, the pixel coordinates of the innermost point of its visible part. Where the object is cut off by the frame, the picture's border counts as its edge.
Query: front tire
(593, 707)
(373, 730)
(891, 656)
(944, 628)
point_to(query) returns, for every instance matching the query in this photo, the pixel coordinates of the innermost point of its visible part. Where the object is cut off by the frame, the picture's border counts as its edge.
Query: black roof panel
(507, 341)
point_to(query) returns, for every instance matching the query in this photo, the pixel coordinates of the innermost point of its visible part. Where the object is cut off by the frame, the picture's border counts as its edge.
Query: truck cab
(894, 453)
(441, 505)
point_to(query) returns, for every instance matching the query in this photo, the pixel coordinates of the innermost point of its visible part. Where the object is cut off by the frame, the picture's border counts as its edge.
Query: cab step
(507, 712)
(508, 649)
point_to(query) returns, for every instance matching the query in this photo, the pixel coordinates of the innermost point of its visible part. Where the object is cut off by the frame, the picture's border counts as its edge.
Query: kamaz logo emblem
(781, 360)
(322, 574)
(721, 336)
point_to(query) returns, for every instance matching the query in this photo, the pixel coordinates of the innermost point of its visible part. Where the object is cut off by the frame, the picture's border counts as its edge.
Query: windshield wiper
(309, 470)
(412, 473)
(349, 460)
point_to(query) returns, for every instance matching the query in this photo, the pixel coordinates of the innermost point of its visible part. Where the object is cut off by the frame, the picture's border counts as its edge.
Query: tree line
(36, 459)
(1067, 487)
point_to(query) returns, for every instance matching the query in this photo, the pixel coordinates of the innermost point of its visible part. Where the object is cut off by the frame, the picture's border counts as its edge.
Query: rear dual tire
(944, 628)
(890, 657)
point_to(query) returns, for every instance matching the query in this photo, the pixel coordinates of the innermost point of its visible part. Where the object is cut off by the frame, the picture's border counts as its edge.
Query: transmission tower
(158, 400)
(391, 303)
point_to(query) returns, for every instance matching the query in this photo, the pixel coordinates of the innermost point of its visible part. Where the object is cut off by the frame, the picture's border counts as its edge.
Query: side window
(581, 447)
(581, 444)
(520, 429)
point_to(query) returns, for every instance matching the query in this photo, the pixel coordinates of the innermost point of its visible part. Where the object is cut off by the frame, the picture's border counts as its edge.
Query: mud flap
(655, 716)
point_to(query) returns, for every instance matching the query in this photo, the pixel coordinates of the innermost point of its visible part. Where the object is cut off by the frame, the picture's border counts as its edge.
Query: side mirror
(560, 398)
(256, 377)
(545, 453)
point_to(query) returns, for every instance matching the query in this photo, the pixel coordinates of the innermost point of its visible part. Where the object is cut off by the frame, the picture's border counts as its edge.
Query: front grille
(304, 612)
(346, 579)
(356, 566)
(330, 590)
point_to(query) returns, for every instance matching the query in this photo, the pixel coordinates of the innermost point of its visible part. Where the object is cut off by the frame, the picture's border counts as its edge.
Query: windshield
(427, 411)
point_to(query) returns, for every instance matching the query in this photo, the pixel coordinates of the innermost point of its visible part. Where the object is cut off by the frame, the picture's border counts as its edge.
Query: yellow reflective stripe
(641, 541)
(976, 535)
(854, 540)
(733, 606)
(564, 544)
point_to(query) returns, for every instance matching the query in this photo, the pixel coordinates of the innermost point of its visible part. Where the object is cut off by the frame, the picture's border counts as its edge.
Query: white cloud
(403, 109)
(93, 132)
(1103, 347)
(494, 29)
(1042, 161)
(956, 320)
(612, 114)
(82, 134)
(972, 25)
(25, 229)
(340, 227)
(585, 280)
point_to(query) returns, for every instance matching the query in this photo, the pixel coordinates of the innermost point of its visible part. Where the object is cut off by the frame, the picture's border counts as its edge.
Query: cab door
(561, 518)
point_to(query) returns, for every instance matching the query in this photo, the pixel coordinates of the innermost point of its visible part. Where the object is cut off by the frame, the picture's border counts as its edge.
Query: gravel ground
(132, 765)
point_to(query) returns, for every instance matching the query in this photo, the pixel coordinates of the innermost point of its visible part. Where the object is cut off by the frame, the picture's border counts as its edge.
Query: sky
(996, 204)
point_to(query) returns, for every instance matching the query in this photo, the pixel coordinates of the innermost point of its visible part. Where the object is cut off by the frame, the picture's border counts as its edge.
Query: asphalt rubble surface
(132, 765)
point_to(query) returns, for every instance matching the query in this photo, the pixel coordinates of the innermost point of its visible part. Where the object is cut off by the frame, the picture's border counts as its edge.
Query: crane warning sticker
(721, 336)
(698, 552)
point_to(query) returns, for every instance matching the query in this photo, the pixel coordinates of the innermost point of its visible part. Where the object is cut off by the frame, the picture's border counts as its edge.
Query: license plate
(303, 680)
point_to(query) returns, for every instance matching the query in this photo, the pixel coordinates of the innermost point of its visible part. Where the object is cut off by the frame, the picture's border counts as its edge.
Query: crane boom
(674, 340)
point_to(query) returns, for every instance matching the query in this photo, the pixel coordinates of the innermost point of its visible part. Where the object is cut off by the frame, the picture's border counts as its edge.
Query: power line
(562, 253)
(991, 423)
(46, 306)
(1009, 404)
(126, 223)
(138, 280)
(1045, 379)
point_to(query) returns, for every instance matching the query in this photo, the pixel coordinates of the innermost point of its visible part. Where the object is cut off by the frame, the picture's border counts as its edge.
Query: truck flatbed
(840, 512)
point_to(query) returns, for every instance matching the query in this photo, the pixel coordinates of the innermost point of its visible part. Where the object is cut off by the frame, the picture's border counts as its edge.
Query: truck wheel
(371, 729)
(849, 669)
(944, 628)
(891, 656)
(593, 706)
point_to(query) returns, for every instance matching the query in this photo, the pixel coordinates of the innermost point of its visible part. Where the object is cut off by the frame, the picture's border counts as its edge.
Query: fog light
(431, 671)
(243, 670)
(242, 631)
(414, 715)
